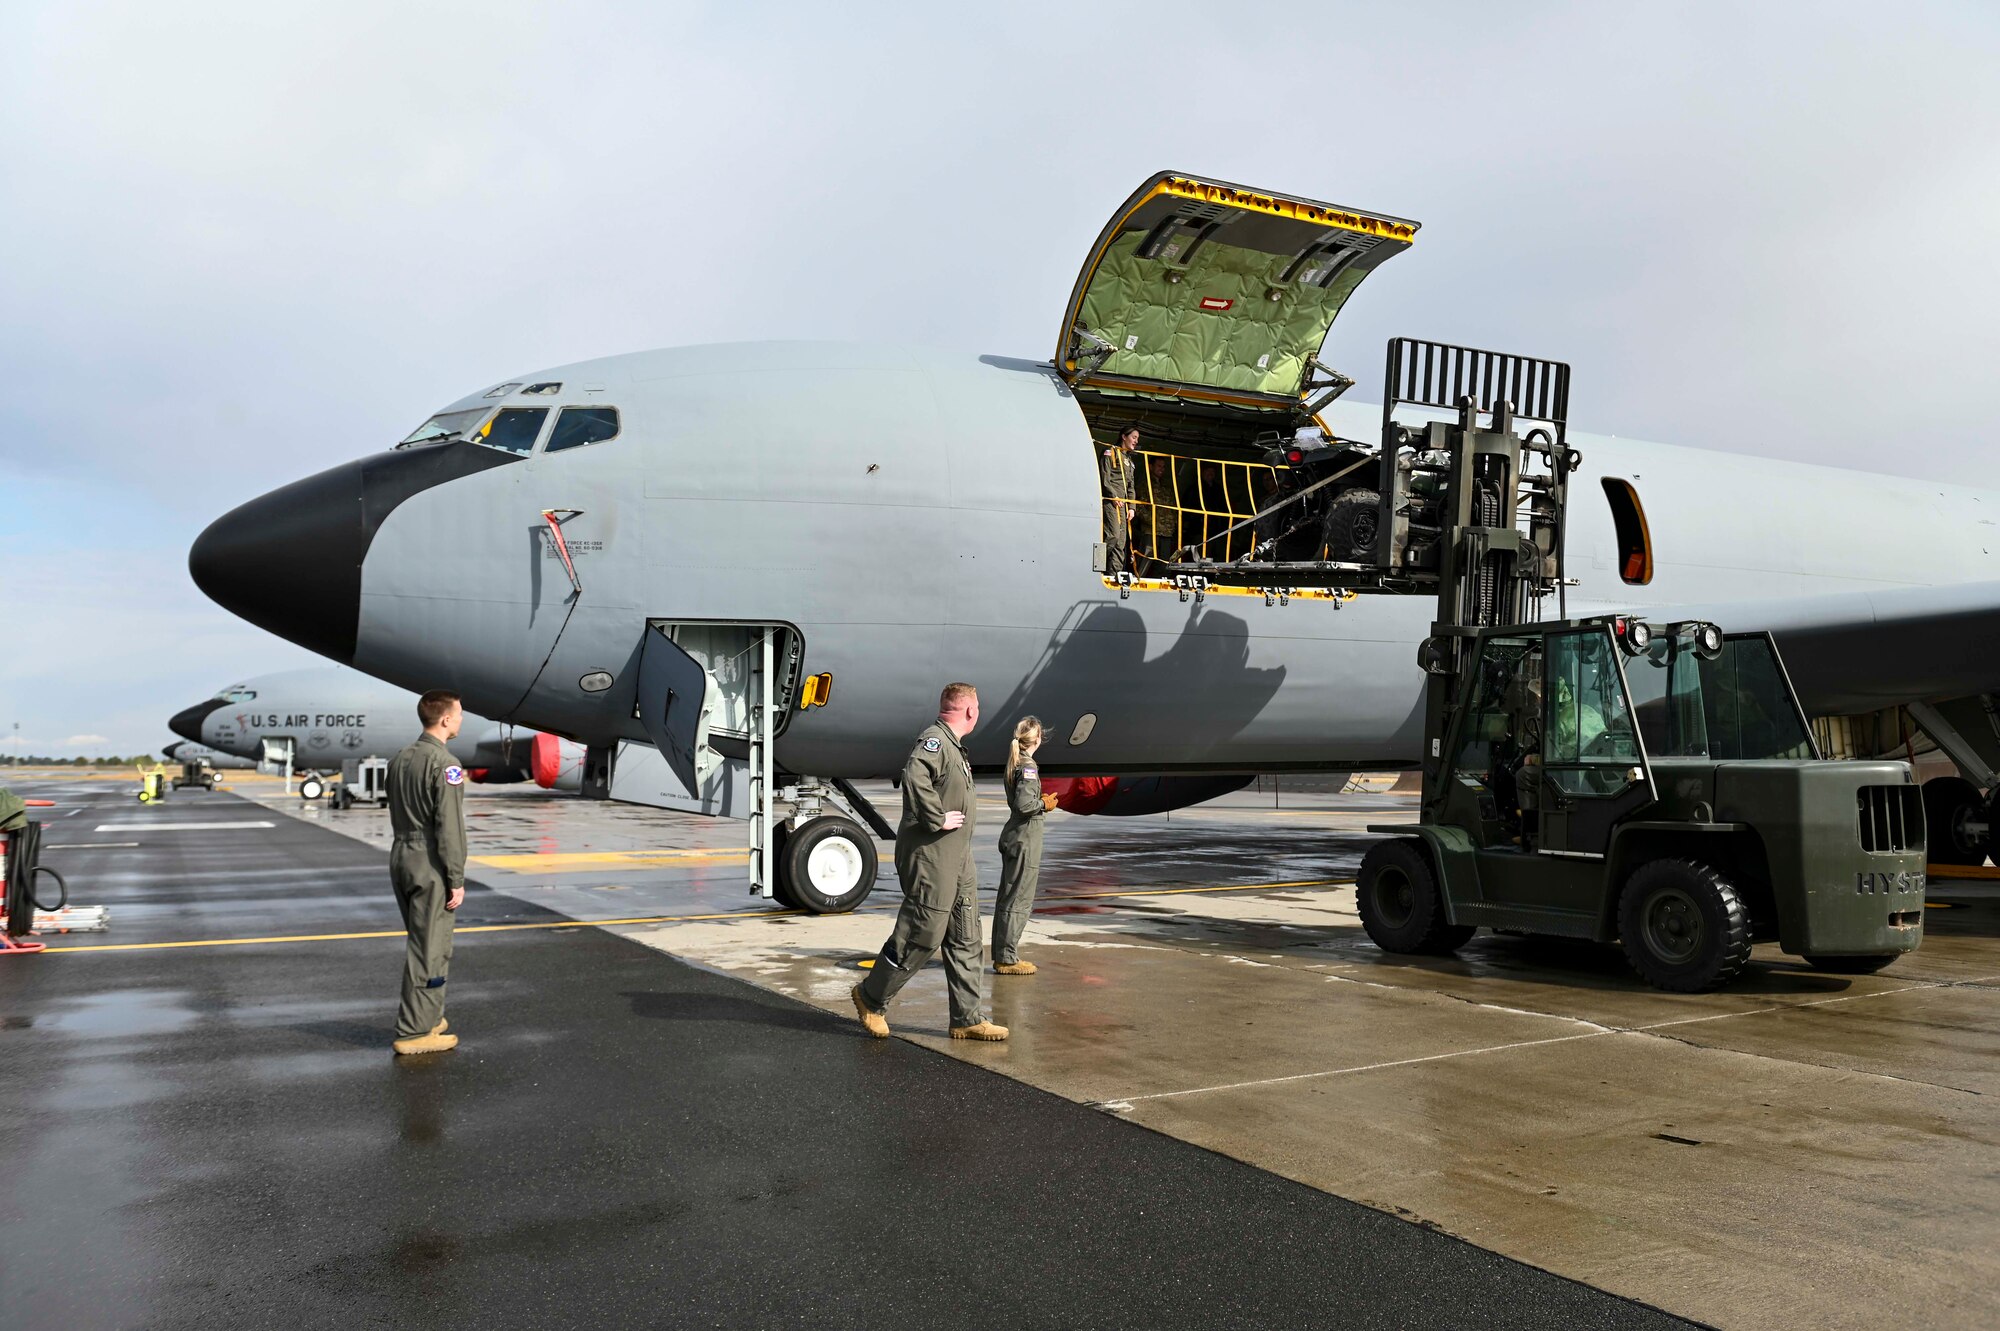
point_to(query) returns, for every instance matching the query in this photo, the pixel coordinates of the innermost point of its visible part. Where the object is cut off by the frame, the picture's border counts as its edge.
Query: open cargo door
(676, 699)
(1203, 290)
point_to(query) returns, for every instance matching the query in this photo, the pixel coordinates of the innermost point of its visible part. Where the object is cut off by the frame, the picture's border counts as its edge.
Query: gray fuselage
(922, 517)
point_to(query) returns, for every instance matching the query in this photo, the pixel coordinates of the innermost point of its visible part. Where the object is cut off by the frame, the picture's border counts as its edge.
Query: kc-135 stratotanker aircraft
(723, 568)
(316, 719)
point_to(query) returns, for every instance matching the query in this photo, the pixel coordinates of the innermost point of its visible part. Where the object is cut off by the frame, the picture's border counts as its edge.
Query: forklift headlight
(1634, 635)
(1707, 641)
(1434, 655)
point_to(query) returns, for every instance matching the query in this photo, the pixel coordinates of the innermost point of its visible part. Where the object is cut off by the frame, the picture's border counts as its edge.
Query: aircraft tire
(1683, 927)
(311, 788)
(1849, 965)
(781, 888)
(827, 866)
(1948, 800)
(1400, 904)
(1351, 521)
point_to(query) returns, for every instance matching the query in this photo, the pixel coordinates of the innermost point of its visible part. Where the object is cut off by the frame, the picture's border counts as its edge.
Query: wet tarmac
(203, 1130)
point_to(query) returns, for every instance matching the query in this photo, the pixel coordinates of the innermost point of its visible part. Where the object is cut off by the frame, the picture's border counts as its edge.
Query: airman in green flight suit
(940, 884)
(427, 866)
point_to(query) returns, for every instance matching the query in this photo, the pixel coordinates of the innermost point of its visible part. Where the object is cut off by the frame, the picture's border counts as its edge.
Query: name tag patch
(454, 775)
(931, 745)
(1029, 769)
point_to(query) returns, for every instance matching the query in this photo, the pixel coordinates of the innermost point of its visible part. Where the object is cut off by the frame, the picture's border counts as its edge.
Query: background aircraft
(597, 549)
(323, 716)
(187, 751)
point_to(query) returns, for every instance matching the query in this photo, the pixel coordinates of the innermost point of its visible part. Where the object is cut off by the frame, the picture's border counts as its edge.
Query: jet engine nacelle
(1131, 796)
(557, 763)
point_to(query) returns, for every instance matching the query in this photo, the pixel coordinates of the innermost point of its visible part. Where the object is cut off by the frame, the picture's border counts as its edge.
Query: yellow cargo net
(1193, 502)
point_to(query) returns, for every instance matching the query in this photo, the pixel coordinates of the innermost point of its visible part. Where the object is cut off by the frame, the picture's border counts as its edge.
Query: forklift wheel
(1849, 965)
(1683, 926)
(1401, 908)
(311, 788)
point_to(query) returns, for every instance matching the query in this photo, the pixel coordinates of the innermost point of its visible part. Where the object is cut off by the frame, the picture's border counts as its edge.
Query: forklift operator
(1517, 756)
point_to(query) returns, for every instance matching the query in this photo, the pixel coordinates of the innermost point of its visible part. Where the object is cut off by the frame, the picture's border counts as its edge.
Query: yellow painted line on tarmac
(659, 919)
(398, 933)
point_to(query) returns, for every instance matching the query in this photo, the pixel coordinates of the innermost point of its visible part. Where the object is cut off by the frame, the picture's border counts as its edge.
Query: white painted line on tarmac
(1120, 1106)
(93, 845)
(177, 827)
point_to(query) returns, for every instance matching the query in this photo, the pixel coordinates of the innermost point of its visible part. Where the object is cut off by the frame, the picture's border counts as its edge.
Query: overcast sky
(240, 243)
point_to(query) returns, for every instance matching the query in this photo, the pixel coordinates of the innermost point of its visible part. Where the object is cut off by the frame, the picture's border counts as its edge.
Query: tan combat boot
(1013, 968)
(877, 1025)
(426, 1044)
(985, 1030)
(441, 1027)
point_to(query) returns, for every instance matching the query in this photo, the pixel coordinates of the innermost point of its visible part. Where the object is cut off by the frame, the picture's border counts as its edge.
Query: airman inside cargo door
(1119, 510)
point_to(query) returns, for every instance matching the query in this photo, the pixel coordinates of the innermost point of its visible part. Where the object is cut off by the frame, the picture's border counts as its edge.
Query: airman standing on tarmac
(1020, 848)
(1119, 510)
(427, 867)
(940, 884)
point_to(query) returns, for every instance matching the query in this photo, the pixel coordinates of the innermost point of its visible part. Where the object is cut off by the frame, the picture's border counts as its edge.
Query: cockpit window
(444, 425)
(578, 426)
(501, 390)
(514, 429)
(238, 694)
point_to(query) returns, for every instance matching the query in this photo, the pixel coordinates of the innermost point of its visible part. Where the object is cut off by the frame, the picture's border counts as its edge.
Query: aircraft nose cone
(290, 562)
(187, 722)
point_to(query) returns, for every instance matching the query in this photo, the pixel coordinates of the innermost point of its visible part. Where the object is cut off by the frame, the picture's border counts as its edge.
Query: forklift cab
(1547, 755)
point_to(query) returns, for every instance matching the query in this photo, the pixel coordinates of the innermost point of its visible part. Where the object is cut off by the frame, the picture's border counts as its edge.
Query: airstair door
(276, 753)
(677, 697)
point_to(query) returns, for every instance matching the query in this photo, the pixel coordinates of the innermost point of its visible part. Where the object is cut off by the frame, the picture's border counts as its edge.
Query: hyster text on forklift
(1602, 778)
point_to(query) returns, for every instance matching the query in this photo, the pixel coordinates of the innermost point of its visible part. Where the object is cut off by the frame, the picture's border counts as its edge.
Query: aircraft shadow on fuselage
(1201, 691)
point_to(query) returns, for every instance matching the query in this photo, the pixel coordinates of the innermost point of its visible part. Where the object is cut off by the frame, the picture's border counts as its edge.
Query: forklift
(1607, 778)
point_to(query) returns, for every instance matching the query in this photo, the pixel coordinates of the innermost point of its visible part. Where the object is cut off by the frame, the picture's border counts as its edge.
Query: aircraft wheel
(781, 888)
(311, 788)
(1683, 926)
(1949, 803)
(1401, 906)
(1849, 965)
(827, 866)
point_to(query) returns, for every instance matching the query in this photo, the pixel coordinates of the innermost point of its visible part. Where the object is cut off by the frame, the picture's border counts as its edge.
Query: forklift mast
(1485, 508)
(1473, 474)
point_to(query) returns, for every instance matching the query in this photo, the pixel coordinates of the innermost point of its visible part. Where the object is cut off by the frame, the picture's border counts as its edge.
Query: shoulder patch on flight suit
(1029, 769)
(454, 774)
(931, 745)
